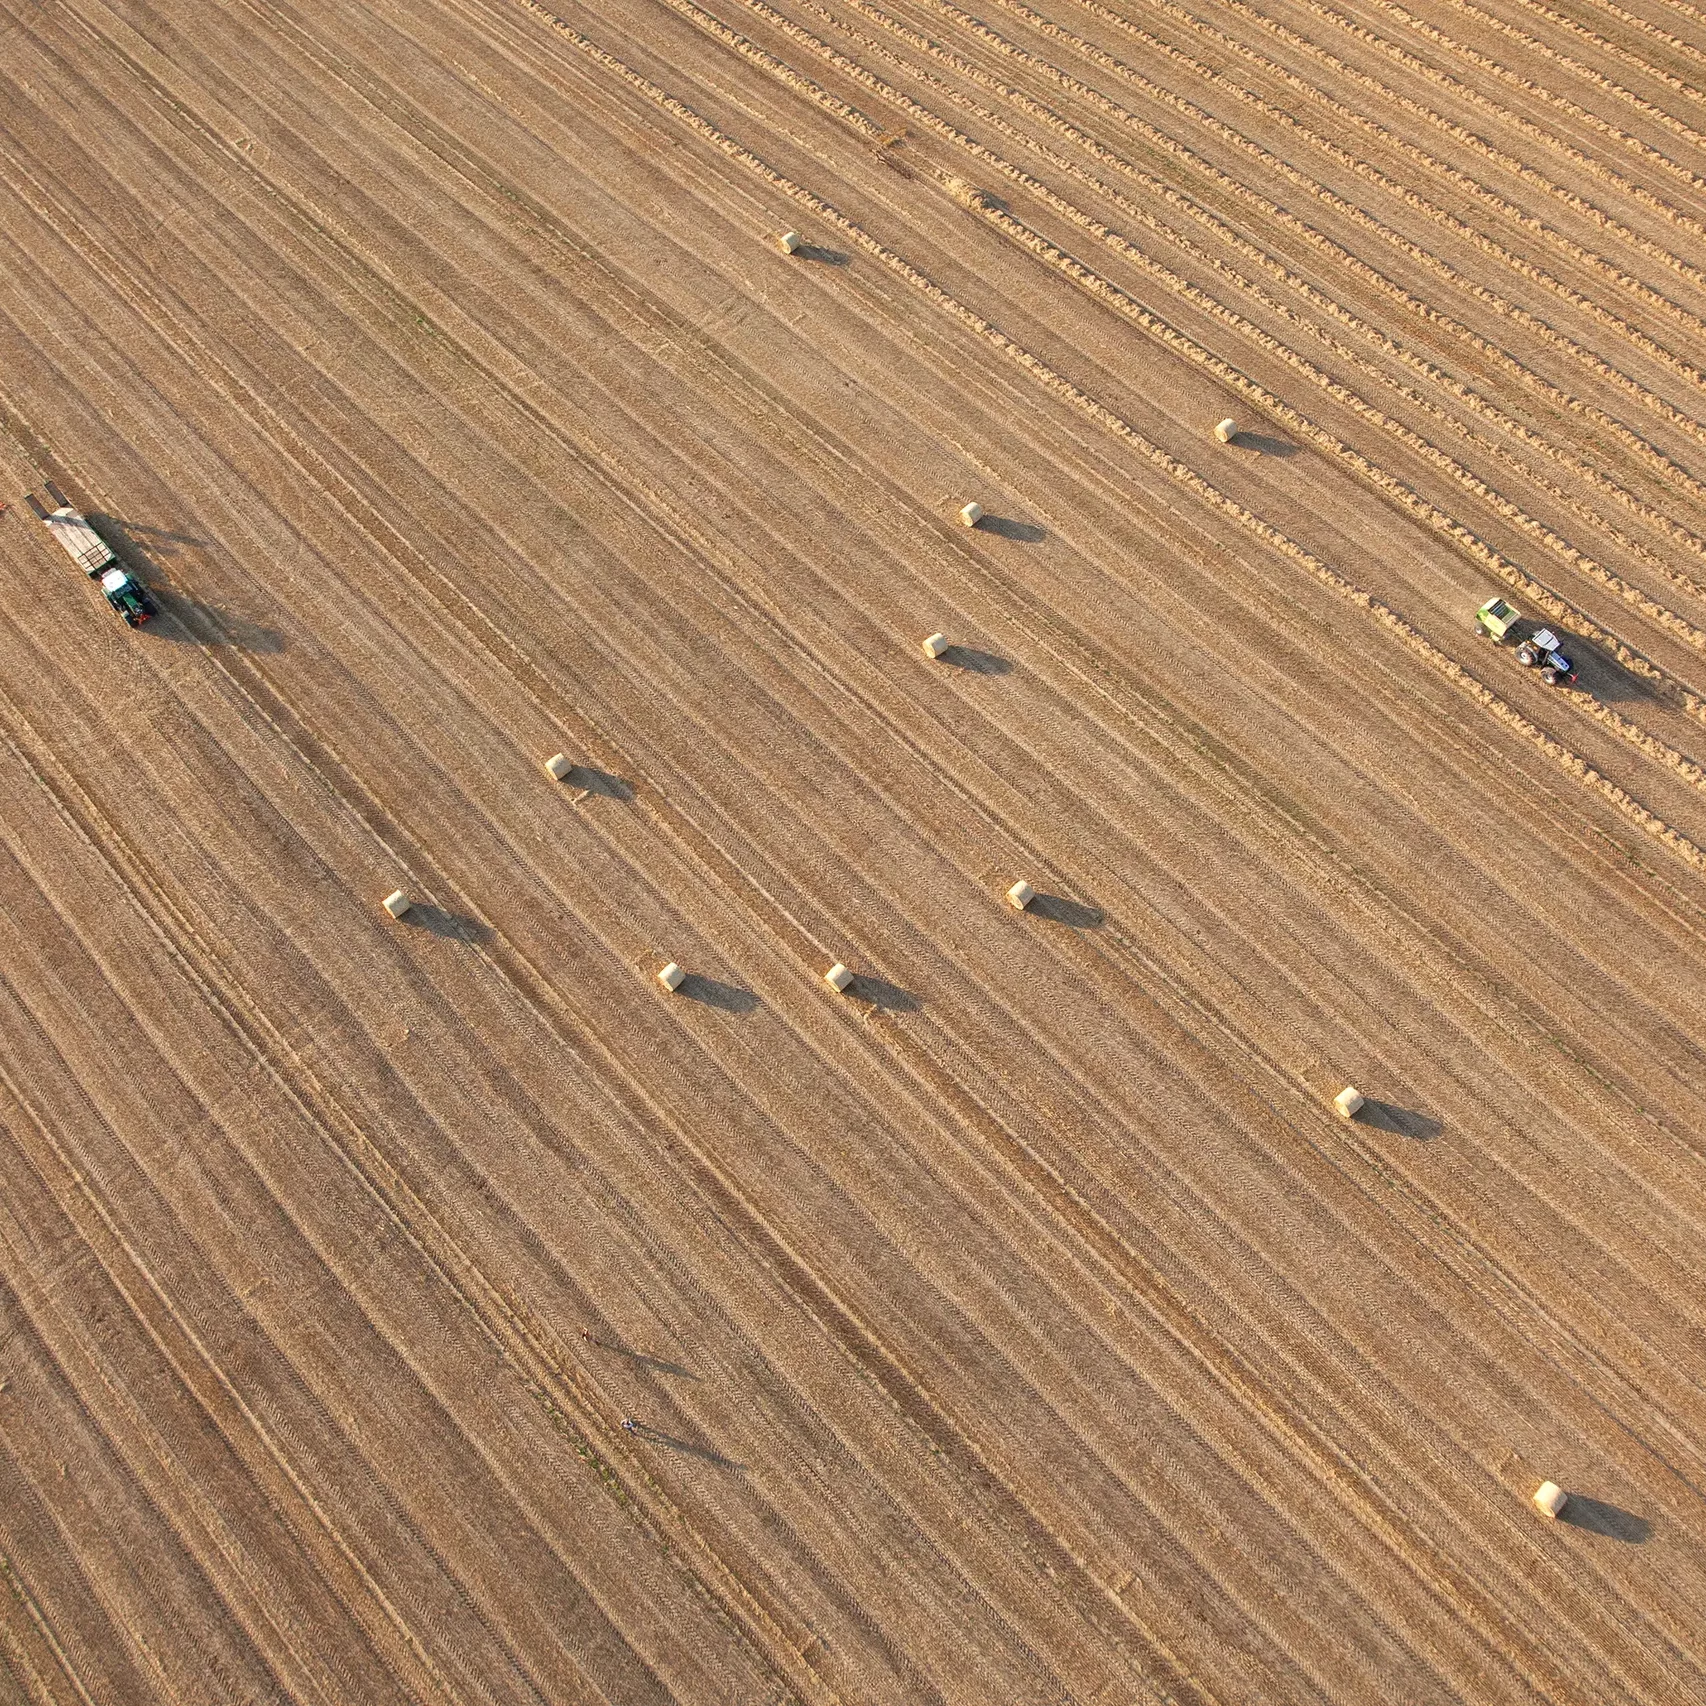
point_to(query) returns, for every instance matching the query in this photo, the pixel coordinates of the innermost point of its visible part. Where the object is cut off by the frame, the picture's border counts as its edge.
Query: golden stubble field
(1022, 1325)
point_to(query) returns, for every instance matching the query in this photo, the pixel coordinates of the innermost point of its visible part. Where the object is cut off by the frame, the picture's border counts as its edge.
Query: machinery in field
(94, 556)
(1540, 648)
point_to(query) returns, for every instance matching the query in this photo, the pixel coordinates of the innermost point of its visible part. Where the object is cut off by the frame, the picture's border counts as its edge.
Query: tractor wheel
(1549, 676)
(1526, 654)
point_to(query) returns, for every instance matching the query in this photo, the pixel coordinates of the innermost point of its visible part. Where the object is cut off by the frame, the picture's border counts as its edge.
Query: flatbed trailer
(94, 556)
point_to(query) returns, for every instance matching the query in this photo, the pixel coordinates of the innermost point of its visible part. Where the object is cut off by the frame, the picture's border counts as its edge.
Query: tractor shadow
(1402, 1122)
(1005, 527)
(825, 257)
(211, 624)
(1615, 1523)
(725, 997)
(436, 921)
(656, 1436)
(600, 782)
(1074, 914)
(1264, 444)
(887, 997)
(975, 662)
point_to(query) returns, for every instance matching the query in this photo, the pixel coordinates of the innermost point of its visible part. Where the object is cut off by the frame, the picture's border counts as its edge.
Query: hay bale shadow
(1264, 444)
(1057, 909)
(1595, 1516)
(976, 662)
(1404, 1122)
(822, 255)
(599, 782)
(1005, 527)
(436, 921)
(889, 997)
(725, 997)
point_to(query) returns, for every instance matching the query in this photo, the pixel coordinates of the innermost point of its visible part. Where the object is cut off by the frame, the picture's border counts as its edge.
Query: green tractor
(1497, 620)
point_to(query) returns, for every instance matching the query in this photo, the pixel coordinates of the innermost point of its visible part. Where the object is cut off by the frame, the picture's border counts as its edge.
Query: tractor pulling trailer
(94, 556)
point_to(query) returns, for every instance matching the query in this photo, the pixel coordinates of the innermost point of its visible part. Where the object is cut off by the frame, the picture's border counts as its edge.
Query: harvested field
(438, 1310)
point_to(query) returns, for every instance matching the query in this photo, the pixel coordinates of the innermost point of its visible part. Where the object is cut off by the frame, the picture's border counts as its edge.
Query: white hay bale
(672, 977)
(789, 241)
(971, 515)
(1226, 431)
(838, 977)
(935, 645)
(1021, 895)
(396, 903)
(557, 767)
(1348, 1101)
(1550, 1499)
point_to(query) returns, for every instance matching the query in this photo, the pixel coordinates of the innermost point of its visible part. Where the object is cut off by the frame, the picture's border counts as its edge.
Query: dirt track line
(684, 521)
(1534, 91)
(1387, 345)
(1344, 73)
(1335, 582)
(1346, 208)
(22, 1596)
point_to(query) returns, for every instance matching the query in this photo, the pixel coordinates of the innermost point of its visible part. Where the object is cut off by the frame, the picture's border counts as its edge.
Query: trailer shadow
(725, 997)
(136, 535)
(1598, 1517)
(1057, 909)
(1403, 1122)
(436, 921)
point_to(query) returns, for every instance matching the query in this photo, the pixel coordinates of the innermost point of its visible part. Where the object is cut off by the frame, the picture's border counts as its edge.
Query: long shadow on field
(120, 534)
(1057, 909)
(211, 624)
(1597, 1517)
(1405, 1122)
(600, 782)
(823, 256)
(656, 1436)
(1265, 445)
(437, 922)
(1005, 527)
(890, 997)
(656, 1364)
(974, 662)
(725, 997)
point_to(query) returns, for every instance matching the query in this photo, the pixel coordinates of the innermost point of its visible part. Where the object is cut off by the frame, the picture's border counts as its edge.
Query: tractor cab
(1542, 648)
(125, 594)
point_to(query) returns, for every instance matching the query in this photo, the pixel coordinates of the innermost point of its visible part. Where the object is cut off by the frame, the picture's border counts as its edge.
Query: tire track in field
(1341, 206)
(1565, 614)
(1385, 344)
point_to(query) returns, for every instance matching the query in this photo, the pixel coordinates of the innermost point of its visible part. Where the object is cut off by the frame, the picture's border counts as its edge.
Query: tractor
(95, 557)
(1497, 620)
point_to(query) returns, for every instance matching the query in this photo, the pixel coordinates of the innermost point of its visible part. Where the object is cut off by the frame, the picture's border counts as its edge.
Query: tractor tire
(1549, 676)
(1526, 655)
